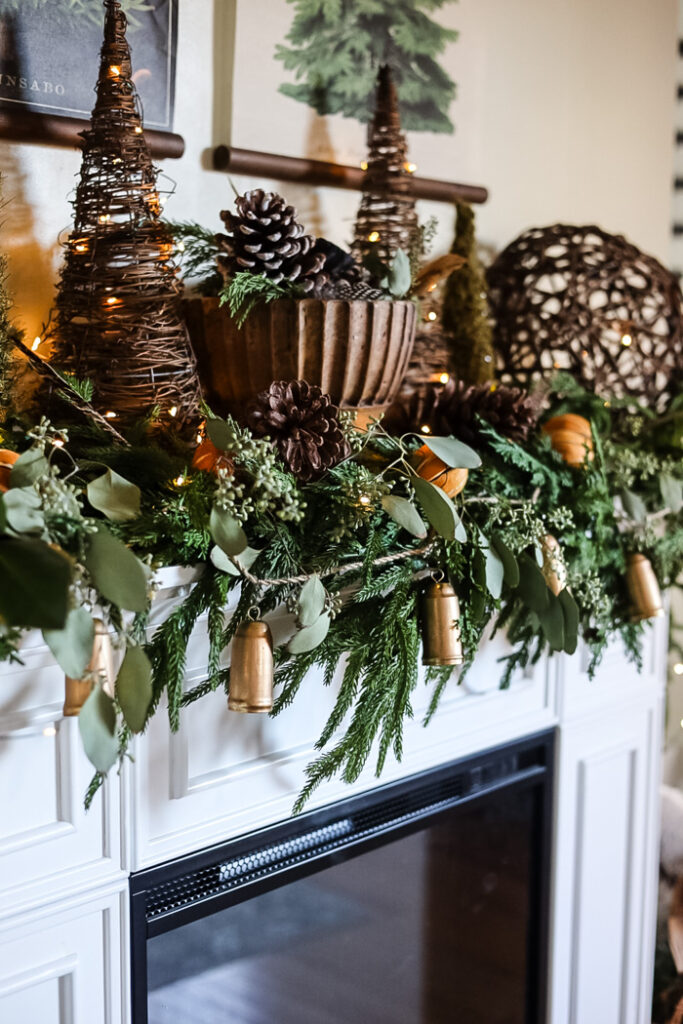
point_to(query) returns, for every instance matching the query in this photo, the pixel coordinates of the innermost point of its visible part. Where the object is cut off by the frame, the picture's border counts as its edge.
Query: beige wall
(564, 110)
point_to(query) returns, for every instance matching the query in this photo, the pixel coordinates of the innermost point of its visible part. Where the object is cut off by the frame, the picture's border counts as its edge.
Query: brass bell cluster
(643, 588)
(441, 643)
(101, 665)
(251, 669)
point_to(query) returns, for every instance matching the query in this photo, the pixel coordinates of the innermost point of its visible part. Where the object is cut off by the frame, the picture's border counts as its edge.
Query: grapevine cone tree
(118, 320)
(387, 219)
(6, 345)
(338, 45)
(465, 313)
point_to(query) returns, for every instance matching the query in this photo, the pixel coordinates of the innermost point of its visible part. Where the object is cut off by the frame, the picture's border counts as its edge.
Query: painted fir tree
(338, 45)
(465, 314)
(118, 321)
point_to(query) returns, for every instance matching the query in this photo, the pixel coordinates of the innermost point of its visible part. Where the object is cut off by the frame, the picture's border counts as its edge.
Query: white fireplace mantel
(64, 942)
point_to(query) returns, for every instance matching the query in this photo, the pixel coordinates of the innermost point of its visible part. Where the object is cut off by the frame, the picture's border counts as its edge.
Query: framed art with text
(49, 57)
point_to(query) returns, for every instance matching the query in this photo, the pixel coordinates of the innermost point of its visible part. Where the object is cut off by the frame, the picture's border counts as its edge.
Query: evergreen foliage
(370, 565)
(337, 47)
(465, 314)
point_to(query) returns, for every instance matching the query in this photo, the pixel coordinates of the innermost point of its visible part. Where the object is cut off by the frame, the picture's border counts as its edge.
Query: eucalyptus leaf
(310, 637)
(35, 584)
(28, 468)
(246, 559)
(115, 497)
(532, 586)
(454, 453)
(219, 432)
(311, 601)
(118, 575)
(634, 506)
(97, 726)
(570, 612)
(134, 688)
(510, 566)
(552, 623)
(72, 646)
(227, 532)
(399, 277)
(22, 509)
(495, 573)
(438, 507)
(403, 512)
(672, 492)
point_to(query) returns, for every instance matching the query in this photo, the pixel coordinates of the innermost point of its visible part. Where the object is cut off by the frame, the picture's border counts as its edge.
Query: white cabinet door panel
(64, 968)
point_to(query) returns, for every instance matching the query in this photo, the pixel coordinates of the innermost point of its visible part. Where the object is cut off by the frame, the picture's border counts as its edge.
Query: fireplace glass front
(423, 903)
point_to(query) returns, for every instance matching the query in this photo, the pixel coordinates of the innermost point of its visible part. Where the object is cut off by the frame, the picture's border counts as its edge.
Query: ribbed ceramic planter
(357, 351)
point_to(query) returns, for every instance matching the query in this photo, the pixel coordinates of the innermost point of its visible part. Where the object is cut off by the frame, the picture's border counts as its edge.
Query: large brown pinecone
(302, 422)
(511, 411)
(264, 237)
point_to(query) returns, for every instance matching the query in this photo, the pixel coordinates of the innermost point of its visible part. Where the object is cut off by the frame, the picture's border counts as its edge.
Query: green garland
(86, 521)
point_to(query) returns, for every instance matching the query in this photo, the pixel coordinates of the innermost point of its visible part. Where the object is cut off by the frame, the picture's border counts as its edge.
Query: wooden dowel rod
(319, 172)
(65, 131)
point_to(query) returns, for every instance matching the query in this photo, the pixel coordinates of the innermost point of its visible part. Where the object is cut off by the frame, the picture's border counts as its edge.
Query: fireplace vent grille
(242, 862)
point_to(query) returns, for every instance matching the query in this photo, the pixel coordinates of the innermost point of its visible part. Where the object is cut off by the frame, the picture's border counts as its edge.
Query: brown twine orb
(118, 310)
(579, 300)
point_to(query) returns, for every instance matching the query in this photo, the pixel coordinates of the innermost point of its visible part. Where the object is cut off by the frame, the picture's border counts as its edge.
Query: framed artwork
(49, 55)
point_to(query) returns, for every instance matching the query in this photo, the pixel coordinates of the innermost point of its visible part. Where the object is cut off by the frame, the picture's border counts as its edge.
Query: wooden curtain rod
(319, 172)
(48, 129)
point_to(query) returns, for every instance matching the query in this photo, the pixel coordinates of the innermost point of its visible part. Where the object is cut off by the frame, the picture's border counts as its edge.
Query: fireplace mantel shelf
(64, 873)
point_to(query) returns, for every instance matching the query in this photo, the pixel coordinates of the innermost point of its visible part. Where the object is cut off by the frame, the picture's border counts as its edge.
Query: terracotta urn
(357, 351)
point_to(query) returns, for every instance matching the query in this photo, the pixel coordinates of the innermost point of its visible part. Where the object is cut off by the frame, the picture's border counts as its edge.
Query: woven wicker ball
(580, 300)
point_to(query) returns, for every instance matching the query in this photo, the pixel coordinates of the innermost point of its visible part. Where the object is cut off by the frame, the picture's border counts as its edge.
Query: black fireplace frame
(200, 884)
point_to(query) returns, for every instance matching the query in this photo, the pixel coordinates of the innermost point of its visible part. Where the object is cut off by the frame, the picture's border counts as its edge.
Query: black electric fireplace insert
(424, 901)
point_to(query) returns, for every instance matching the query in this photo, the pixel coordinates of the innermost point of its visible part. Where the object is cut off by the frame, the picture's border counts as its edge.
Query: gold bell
(251, 668)
(554, 569)
(441, 643)
(101, 665)
(646, 597)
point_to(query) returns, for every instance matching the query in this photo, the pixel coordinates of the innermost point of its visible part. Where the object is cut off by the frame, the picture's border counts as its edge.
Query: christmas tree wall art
(335, 49)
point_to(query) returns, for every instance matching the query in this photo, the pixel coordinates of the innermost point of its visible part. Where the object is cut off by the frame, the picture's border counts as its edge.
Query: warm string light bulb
(364, 165)
(365, 499)
(110, 415)
(678, 668)
(410, 168)
(179, 480)
(626, 340)
(114, 71)
(113, 301)
(431, 315)
(37, 342)
(138, 130)
(104, 218)
(425, 429)
(373, 236)
(173, 411)
(444, 378)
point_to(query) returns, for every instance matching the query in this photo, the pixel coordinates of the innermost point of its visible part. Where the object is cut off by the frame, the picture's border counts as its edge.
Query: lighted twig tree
(387, 220)
(118, 320)
(7, 364)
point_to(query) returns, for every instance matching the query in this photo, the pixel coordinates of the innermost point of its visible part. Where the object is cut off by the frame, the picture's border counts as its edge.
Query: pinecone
(342, 277)
(265, 237)
(302, 422)
(511, 411)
